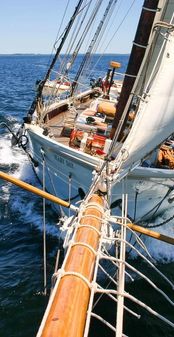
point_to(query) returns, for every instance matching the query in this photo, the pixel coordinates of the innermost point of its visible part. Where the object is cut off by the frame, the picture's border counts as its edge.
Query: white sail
(155, 119)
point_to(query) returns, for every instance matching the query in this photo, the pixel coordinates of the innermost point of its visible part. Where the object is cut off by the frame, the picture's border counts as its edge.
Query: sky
(31, 26)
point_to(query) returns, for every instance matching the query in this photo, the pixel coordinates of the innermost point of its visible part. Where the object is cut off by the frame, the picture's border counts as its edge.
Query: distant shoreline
(33, 54)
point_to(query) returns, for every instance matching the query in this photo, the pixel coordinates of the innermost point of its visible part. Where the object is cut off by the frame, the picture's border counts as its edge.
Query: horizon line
(10, 54)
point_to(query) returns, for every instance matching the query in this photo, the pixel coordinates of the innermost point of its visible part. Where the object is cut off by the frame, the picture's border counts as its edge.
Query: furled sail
(155, 118)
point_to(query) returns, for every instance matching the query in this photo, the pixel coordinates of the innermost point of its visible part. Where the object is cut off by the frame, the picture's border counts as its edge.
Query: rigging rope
(70, 46)
(85, 30)
(91, 46)
(100, 34)
(44, 225)
(69, 190)
(42, 83)
(61, 24)
(161, 223)
(74, 36)
(155, 208)
(62, 213)
(115, 32)
(68, 60)
(100, 39)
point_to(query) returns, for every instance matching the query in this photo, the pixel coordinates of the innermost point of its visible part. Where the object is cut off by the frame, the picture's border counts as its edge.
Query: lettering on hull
(64, 161)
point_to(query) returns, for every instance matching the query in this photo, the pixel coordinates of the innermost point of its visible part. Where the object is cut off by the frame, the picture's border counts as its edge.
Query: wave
(161, 251)
(27, 206)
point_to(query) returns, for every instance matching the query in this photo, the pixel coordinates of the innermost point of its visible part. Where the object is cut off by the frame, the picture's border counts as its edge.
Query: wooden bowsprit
(73, 299)
(66, 312)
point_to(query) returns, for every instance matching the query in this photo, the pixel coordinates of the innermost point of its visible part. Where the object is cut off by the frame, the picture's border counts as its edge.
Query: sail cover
(155, 119)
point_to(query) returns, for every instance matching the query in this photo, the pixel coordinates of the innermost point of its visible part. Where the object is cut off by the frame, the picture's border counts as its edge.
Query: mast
(42, 83)
(137, 53)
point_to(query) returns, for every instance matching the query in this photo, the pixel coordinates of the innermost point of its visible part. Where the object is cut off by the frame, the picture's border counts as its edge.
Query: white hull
(68, 170)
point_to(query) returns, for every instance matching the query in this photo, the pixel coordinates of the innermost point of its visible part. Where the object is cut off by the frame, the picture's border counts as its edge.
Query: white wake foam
(162, 251)
(27, 206)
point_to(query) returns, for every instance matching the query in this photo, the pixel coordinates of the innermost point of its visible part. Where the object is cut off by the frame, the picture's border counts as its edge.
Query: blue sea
(22, 302)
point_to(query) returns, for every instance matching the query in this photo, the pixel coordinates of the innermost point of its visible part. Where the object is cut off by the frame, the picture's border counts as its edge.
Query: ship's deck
(63, 123)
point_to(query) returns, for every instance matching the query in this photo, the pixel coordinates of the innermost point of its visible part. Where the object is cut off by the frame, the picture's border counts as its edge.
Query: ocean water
(22, 302)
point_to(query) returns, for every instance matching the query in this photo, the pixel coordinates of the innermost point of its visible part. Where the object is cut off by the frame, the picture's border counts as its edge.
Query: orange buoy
(66, 312)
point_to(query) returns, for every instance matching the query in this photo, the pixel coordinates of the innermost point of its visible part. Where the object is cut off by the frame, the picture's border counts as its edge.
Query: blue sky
(30, 26)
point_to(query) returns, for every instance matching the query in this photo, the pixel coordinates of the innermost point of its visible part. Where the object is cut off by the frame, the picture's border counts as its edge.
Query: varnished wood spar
(152, 234)
(66, 315)
(35, 190)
